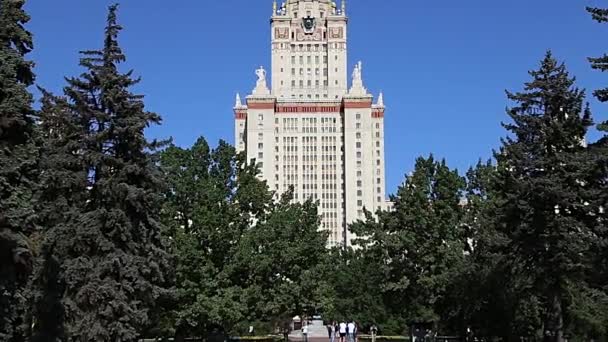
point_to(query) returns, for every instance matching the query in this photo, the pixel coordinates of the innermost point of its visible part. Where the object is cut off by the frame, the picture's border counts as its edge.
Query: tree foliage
(420, 243)
(105, 265)
(18, 166)
(241, 255)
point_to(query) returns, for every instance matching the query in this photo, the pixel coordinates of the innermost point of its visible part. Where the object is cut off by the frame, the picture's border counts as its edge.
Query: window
(260, 146)
(379, 200)
(358, 173)
(261, 117)
(359, 183)
(261, 136)
(301, 84)
(358, 116)
(281, 69)
(358, 135)
(325, 72)
(336, 82)
(360, 203)
(359, 155)
(309, 71)
(309, 60)
(359, 193)
(378, 162)
(378, 180)
(301, 72)
(325, 59)
(358, 125)
(377, 144)
(317, 60)
(377, 134)
(293, 71)
(322, 14)
(377, 125)
(317, 85)
(301, 60)
(358, 144)
(293, 59)
(317, 72)
(260, 155)
(379, 190)
(293, 85)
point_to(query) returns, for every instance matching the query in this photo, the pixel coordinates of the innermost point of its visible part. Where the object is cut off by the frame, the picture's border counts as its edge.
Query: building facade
(311, 130)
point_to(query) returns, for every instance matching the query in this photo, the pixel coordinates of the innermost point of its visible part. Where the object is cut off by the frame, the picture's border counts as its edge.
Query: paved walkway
(310, 339)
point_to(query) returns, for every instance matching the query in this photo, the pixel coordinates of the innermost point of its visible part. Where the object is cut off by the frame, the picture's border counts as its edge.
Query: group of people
(342, 332)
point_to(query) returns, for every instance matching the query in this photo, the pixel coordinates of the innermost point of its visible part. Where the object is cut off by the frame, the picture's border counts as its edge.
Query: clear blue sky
(443, 65)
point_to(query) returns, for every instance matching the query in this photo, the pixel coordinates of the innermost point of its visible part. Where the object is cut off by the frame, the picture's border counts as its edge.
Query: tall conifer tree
(17, 164)
(598, 154)
(544, 201)
(106, 243)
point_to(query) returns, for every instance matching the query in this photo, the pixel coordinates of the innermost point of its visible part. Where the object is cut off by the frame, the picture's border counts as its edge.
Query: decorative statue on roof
(357, 73)
(261, 73)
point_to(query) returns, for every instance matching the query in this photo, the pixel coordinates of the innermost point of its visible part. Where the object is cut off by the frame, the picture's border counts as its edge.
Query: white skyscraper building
(310, 130)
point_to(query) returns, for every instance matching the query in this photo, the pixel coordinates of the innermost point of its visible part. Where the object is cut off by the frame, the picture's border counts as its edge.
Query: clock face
(309, 24)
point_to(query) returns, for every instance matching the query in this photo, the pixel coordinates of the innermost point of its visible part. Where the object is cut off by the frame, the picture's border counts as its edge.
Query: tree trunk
(180, 334)
(554, 325)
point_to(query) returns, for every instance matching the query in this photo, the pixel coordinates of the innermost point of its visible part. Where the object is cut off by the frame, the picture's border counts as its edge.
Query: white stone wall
(309, 159)
(261, 140)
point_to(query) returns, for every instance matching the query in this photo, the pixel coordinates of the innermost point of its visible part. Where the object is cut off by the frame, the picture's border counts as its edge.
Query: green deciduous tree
(242, 256)
(283, 258)
(18, 166)
(421, 242)
(213, 198)
(105, 267)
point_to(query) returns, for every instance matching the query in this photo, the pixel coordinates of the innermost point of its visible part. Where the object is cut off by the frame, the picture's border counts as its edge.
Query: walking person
(351, 331)
(342, 332)
(305, 331)
(331, 332)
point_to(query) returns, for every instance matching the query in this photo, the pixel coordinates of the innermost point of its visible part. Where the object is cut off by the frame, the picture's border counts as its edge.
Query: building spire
(238, 102)
(343, 7)
(381, 100)
(274, 7)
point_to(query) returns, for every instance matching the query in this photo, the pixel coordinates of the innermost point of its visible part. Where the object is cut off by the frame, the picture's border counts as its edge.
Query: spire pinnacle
(274, 7)
(238, 102)
(343, 7)
(381, 100)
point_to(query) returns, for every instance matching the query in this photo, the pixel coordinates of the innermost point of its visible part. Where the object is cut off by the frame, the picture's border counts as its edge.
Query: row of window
(309, 59)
